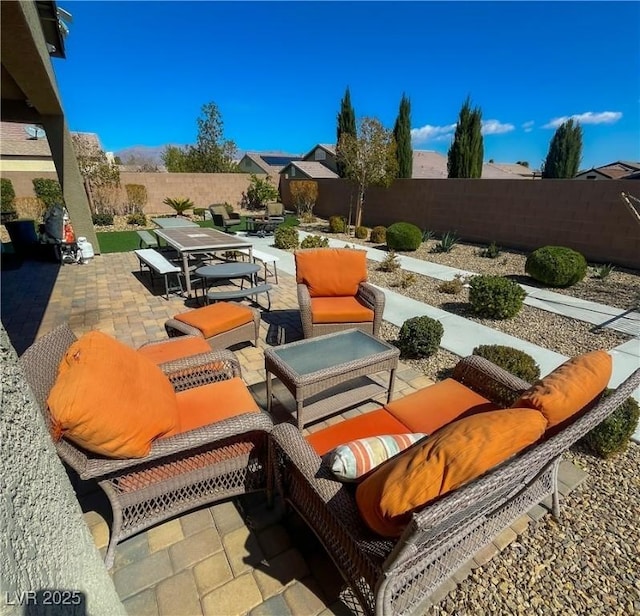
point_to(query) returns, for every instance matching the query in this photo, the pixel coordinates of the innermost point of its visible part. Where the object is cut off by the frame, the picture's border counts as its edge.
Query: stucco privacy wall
(44, 543)
(202, 188)
(587, 216)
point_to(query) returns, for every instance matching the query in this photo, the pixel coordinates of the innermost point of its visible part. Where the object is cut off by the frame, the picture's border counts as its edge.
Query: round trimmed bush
(379, 235)
(362, 233)
(515, 361)
(104, 219)
(286, 238)
(404, 236)
(495, 297)
(314, 241)
(420, 337)
(337, 224)
(556, 266)
(137, 218)
(613, 434)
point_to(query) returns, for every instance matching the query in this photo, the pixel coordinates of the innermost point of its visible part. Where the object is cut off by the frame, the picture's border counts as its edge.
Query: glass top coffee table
(332, 365)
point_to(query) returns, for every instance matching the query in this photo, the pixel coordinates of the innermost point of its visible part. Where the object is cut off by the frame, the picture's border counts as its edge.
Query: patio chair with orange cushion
(158, 439)
(333, 292)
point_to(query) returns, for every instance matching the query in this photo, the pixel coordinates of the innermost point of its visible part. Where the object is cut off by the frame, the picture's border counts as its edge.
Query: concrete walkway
(462, 335)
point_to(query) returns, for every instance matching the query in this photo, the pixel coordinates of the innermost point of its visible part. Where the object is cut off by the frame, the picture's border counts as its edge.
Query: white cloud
(528, 126)
(432, 133)
(589, 117)
(495, 127)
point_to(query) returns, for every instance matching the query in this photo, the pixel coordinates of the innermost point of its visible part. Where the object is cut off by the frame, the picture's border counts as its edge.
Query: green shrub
(492, 251)
(390, 263)
(602, 271)
(179, 204)
(556, 266)
(260, 192)
(404, 236)
(446, 243)
(314, 241)
(378, 235)
(420, 337)
(495, 297)
(613, 434)
(199, 211)
(362, 233)
(103, 219)
(337, 224)
(512, 360)
(48, 191)
(7, 196)
(452, 287)
(137, 218)
(286, 237)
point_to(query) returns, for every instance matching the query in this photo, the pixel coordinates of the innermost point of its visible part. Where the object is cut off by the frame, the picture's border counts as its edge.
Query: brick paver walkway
(236, 557)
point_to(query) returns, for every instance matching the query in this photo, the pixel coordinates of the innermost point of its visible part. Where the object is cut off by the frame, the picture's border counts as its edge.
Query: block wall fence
(590, 217)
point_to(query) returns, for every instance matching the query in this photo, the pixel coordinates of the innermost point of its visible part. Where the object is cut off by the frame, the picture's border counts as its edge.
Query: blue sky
(138, 73)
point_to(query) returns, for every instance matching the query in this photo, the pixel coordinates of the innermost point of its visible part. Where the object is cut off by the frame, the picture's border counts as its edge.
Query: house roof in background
(327, 147)
(311, 168)
(515, 168)
(491, 171)
(272, 164)
(15, 141)
(429, 164)
(617, 170)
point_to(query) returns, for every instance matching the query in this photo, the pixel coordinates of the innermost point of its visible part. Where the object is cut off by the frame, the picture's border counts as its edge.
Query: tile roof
(311, 168)
(429, 164)
(329, 147)
(514, 168)
(271, 163)
(14, 141)
(491, 171)
(617, 170)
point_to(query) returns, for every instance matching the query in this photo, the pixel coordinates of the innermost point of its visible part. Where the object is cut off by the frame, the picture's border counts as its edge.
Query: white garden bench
(155, 262)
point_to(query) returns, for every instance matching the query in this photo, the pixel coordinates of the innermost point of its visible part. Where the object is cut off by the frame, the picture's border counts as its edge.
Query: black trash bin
(23, 236)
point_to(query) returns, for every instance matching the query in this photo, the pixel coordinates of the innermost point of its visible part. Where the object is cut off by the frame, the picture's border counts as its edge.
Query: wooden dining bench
(155, 262)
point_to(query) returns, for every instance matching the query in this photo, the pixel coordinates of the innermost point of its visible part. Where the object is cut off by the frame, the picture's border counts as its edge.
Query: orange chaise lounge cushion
(216, 319)
(456, 454)
(339, 310)
(110, 399)
(331, 272)
(569, 388)
(175, 348)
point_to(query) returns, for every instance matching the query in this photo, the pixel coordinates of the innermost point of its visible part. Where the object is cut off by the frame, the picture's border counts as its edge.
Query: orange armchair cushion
(110, 399)
(175, 348)
(443, 462)
(570, 387)
(339, 310)
(331, 272)
(432, 407)
(216, 319)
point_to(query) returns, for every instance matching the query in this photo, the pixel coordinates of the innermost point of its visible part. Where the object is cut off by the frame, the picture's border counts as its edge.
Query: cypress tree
(467, 151)
(565, 152)
(346, 125)
(402, 134)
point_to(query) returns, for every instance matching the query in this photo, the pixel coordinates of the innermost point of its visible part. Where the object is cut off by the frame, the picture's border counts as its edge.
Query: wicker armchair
(222, 218)
(396, 576)
(319, 270)
(194, 468)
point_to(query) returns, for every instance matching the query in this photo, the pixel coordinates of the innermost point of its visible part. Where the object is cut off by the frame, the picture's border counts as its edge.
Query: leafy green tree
(346, 125)
(565, 152)
(402, 134)
(212, 153)
(369, 158)
(467, 151)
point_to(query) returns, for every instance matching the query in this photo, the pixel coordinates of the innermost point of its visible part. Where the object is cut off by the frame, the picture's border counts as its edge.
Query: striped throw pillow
(353, 460)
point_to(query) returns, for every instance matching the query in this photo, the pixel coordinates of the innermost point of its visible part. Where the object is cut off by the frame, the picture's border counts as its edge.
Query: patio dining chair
(159, 439)
(222, 218)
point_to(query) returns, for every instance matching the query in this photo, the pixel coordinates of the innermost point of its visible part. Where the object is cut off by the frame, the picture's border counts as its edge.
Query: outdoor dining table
(190, 240)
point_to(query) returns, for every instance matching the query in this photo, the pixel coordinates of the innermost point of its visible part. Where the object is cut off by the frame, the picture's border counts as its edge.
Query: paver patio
(236, 557)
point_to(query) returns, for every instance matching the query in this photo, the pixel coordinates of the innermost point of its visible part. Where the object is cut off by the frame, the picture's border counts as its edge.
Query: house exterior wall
(322, 156)
(44, 542)
(9, 163)
(587, 216)
(248, 166)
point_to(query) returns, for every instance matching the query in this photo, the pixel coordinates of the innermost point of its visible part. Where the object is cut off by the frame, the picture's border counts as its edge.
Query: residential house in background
(619, 170)
(306, 170)
(263, 162)
(323, 153)
(516, 169)
(429, 164)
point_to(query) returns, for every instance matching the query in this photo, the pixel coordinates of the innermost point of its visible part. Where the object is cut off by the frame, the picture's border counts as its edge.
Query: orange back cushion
(569, 388)
(110, 399)
(331, 272)
(454, 455)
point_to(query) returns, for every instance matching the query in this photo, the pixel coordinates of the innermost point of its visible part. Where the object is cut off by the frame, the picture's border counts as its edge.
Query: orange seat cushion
(432, 407)
(110, 399)
(216, 319)
(570, 387)
(175, 348)
(331, 272)
(212, 402)
(443, 462)
(375, 423)
(339, 310)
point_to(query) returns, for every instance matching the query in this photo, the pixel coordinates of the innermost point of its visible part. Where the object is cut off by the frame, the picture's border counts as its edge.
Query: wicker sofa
(396, 575)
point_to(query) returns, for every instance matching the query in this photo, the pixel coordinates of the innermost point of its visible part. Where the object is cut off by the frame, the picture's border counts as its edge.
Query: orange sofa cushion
(569, 388)
(331, 272)
(212, 402)
(110, 399)
(339, 310)
(374, 423)
(175, 348)
(432, 407)
(216, 319)
(443, 462)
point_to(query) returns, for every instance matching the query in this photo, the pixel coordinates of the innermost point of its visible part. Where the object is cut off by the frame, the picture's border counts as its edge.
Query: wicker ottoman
(221, 324)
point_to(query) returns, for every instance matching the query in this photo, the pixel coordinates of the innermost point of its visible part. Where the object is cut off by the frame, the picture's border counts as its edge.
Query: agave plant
(180, 204)
(446, 243)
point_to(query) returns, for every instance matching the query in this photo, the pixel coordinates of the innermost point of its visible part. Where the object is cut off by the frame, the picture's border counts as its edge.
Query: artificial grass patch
(118, 241)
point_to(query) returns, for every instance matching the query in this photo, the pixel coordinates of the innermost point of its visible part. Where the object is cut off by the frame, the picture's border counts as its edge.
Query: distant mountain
(139, 153)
